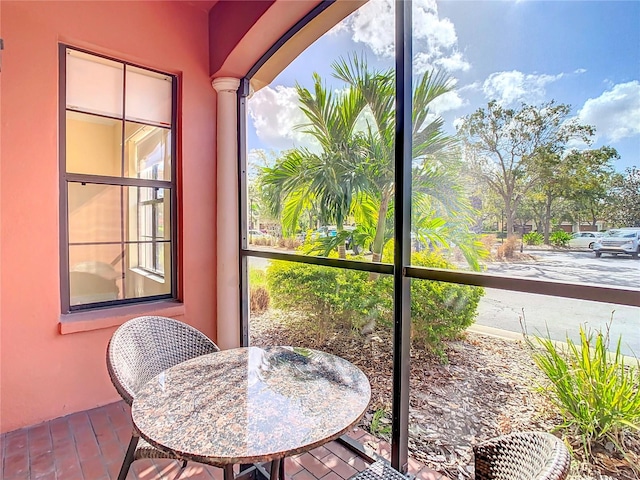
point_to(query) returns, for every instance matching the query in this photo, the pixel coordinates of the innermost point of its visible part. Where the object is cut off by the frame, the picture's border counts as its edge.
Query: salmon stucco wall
(44, 374)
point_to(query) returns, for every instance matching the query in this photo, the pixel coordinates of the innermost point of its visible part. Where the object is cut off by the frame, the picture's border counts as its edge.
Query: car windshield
(624, 234)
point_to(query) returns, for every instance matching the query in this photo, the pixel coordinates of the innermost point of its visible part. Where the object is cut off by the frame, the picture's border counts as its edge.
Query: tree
(624, 210)
(583, 178)
(504, 146)
(440, 207)
(590, 175)
(353, 175)
(328, 180)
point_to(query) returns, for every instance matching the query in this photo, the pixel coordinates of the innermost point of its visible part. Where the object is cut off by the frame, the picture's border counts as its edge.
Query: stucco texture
(43, 373)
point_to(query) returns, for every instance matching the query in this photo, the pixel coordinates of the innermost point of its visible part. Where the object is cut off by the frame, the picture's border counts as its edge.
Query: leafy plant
(257, 277)
(439, 310)
(533, 238)
(597, 394)
(328, 298)
(380, 425)
(332, 299)
(560, 238)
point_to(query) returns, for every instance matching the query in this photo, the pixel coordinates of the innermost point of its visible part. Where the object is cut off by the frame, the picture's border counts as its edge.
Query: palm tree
(354, 172)
(439, 205)
(329, 180)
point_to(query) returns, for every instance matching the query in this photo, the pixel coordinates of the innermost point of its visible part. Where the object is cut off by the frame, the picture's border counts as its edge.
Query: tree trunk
(342, 251)
(547, 220)
(509, 211)
(378, 241)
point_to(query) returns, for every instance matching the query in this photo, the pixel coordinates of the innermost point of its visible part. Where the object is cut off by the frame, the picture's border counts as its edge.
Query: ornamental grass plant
(596, 392)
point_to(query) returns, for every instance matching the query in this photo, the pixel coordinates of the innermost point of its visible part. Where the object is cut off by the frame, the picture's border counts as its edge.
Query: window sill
(147, 273)
(115, 316)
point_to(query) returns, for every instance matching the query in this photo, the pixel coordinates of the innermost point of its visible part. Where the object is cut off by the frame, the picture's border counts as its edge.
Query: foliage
(328, 298)
(380, 425)
(625, 199)
(331, 299)
(331, 179)
(533, 238)
(589, 177)
(439, 310)
(506, 146)
(597, 394)
(290, 243)
(259, 299)
(268, 241)
(353, 174)
(577, 180)
(508, 248)
(257, 277)
(488, 240)
(559, 238)
(258, 293)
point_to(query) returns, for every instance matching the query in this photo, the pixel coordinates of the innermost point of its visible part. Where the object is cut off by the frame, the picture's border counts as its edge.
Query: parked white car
(584, 239)
(624, 241)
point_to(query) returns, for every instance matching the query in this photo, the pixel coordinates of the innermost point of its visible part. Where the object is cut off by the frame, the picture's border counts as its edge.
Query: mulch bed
(486, 388)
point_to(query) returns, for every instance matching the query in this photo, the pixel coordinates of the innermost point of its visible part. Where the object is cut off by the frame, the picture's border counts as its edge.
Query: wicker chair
(138, 351)
(522, 456)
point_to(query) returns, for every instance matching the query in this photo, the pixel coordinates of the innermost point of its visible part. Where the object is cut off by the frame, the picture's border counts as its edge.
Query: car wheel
(598, 254)
(635, 254)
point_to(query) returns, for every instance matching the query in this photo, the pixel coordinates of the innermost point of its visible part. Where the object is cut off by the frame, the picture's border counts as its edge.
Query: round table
(251, 405)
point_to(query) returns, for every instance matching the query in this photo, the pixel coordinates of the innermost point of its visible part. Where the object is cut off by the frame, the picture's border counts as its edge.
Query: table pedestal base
(257, 471)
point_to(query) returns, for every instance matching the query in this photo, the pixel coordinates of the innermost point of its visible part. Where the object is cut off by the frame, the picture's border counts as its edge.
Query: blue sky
(586, 54)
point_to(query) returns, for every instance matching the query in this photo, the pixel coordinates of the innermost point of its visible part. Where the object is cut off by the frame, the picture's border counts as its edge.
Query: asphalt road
(560, 317)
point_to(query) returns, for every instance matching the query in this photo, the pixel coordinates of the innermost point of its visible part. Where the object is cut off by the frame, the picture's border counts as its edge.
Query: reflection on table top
(251, 404)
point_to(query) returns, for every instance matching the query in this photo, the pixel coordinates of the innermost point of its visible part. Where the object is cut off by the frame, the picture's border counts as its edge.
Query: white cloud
(447, 102)
(453, 63)
(276, 113)
(373, 25)
(513, 87)
(434, 39)
(579, 71)
(615, 113)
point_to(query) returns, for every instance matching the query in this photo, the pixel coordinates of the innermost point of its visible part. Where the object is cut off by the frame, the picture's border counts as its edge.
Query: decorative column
(227, 223)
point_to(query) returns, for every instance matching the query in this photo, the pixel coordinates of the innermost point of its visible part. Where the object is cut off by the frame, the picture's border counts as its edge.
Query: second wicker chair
(522, 456)
(138, 351)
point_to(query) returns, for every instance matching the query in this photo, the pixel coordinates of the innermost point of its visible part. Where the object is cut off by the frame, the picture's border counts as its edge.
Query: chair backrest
(522, 456)
(143, 347)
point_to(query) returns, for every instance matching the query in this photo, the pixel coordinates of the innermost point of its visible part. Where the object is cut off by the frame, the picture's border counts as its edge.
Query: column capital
(226, 84)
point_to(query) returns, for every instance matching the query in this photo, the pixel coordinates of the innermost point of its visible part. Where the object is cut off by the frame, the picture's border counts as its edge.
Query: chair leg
(184, 465)
(128, 458)
(228, 472)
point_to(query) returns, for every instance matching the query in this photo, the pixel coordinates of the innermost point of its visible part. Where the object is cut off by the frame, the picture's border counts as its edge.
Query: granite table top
(250, 405)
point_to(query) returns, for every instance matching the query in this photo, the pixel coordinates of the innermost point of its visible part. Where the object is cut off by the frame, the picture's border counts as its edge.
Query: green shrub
(257, 277)
(560, 238)
(597, 394)
(332, 299)
(533, 238)
(329, 298)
